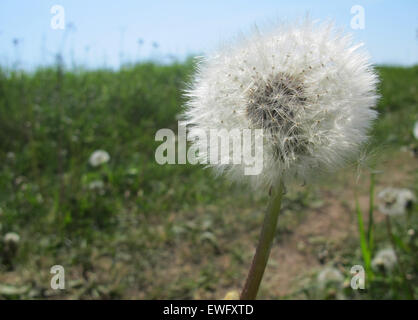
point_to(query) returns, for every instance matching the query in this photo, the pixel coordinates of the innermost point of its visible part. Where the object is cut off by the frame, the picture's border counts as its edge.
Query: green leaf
(370, 236)
(363, 241)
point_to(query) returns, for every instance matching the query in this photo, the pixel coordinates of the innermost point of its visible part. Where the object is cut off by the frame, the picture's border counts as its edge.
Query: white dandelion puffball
(330, 276)
(416, 130)
(394, 201)
(11, 238)
(306, 86)
(99, 157)
(385, 259)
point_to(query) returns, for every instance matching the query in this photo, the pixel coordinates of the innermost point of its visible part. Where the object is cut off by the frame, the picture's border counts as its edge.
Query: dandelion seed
(279, 77)
(395, 202)
(385, 259)
(98, 158)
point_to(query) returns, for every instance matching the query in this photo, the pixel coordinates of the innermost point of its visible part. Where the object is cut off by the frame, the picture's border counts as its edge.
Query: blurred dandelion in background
(98, 158)
(11, 238)
(394, 201)
(330, 276)
(385, 260)
(330, 283)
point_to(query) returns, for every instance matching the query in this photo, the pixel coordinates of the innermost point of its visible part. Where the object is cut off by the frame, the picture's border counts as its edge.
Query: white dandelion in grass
(384, 260)
(11, 238)
(98, 158)
(395, 201)
(330, 276)
(309, 89)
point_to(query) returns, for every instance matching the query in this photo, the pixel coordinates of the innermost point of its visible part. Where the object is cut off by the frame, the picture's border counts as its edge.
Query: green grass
(397, 106)
(51, 120)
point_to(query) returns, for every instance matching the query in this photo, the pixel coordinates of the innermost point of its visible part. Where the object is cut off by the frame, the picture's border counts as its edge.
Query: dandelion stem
(262, 252)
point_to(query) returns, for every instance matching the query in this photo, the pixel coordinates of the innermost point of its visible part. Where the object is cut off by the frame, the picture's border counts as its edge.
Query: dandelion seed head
(307, 86)
(394, 201)
(385, 259)
(330, 276)
(98, 158)
(11, 238)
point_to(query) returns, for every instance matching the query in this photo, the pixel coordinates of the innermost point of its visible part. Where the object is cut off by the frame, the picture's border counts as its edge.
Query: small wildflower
(394, 201)
(385, 259)
(232, 295)
(99, 157)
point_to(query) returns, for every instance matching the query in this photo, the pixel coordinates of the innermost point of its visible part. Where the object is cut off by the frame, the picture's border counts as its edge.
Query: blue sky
(106, 33)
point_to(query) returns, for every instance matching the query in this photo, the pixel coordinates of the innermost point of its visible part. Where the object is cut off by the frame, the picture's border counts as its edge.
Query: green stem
(400, 264)
(363, 240)
(370, 239)
(262, 252)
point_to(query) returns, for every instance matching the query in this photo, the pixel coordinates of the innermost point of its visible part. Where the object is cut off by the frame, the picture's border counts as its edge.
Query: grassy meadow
(133, 229)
